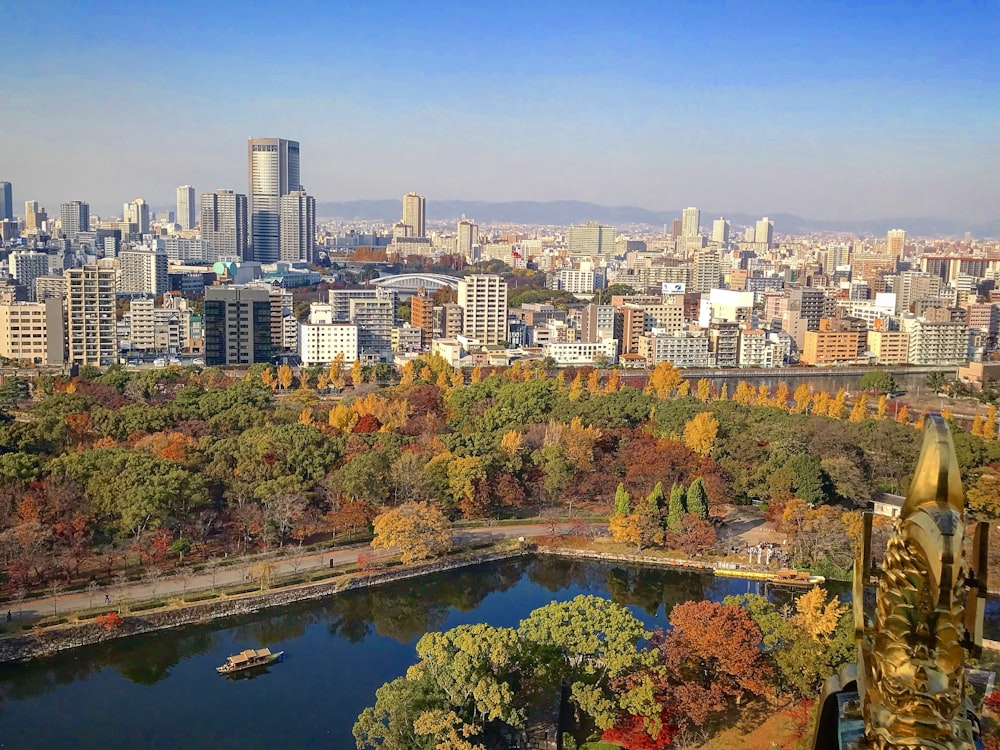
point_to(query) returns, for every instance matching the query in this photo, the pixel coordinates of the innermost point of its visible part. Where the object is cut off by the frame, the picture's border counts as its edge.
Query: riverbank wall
(63, 637)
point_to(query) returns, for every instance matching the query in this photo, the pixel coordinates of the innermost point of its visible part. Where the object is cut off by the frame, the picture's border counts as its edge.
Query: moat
(162, 691)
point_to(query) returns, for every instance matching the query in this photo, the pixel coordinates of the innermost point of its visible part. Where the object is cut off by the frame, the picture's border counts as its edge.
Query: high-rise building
(706, 272)
(272, 171)
(422, 314)
(414, 208)
(599, 323)
(676, 228)
(691, 222)
(375, 319)
(185, 215)
(591, 238)
(468, 235)
(74, 217)
(298, 226)
(895, 241)
(34, 217)
(143, 272)
(33, 331)
(764, 232)
(6, 201)
(90, 314)
(483, 298)
(237, 325)
(137, 213)
(720, 231)
(26, 266)
(224, 223)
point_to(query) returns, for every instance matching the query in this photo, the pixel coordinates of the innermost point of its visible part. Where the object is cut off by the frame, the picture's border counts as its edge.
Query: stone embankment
(51, 640)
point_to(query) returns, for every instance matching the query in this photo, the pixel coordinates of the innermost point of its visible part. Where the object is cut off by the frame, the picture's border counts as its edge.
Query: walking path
(237, 573)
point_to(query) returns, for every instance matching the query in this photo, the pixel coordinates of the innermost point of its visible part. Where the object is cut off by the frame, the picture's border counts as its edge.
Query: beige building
(829, 347)
(414, 214)
(483, 297)
(33, 332)
(889, 347)
(90, 314)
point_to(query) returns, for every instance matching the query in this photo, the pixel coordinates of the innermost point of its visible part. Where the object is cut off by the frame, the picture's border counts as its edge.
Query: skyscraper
(720, 231)
(137, 212)
(185, 215)
(591, 238)
(468, 235)
(143, 271)
(895, 241)
(224, 223)
(74, 217)
(26, 266)
(691, 222)
(483, 298)
(414, 207)
(272, 171)
(298, 226)
(34, 217)
(6, 201)
(764, 233)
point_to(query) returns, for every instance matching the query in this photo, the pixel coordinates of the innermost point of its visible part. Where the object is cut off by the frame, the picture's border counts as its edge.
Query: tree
(835, 410)
(357, 374)
(285, 377)
(802, 397)
(877, 381)
(990, 423)
(419, 530)
(984, 495)
(882, 406)
(663, 380)
(696, 536)
(675, 508)
(700, 432)
(817, 616)
(623, 503)
(697, 499)
(859, 412)
(744, 394)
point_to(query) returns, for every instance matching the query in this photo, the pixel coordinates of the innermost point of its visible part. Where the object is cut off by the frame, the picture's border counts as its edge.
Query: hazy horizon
(821, 111)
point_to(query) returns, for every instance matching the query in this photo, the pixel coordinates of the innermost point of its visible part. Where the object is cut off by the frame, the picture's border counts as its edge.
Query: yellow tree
(903, 414)
(781, 395)
(285, 377)
(821, 402)
(703, 389)
(724, 392)
(990, 423)
(977, 425)
(859, 412)
(744, 394)
(514, 371)
(803, 395)
(684, 388)
(342, 418)
(883, 404)
(640, 529)
(763, 395)
(477, 375)
(322, 382)
(336, 376)
(946, 414)
(357, 373)
(511, 446)
(614, 383)
(306, 416)
(442, 380)
(268, 379)
(817, 616)
(837, 405)
(426, 374)
(580, 441)
(457, 379)
(406, 375)
(700, 432)
(919, 424)
(594, 383)
(663, 380)
(576, 388)
(418, 530)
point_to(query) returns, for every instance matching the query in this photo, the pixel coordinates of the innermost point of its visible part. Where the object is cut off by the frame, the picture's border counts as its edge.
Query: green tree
(697, 499)
(878, 381)
(655, 500)
(623, 503)
(676, 509)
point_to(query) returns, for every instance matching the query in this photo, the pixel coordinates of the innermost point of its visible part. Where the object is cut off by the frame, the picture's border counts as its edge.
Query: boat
(249, 659)
(796, 578)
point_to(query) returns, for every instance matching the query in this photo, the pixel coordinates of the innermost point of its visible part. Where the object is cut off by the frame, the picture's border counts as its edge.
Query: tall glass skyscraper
(272, 171)
(6, 201)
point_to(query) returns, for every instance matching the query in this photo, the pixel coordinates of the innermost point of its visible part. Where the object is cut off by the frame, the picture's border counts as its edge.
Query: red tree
(630, 732)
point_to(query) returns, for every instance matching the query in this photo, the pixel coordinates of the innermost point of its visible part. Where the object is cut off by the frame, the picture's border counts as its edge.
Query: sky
(830, 110)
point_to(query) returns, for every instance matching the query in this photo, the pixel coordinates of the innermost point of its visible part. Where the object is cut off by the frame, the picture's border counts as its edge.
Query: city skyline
(653, 106)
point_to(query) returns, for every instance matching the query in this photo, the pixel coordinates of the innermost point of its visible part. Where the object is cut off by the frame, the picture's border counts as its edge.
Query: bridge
(408, 283)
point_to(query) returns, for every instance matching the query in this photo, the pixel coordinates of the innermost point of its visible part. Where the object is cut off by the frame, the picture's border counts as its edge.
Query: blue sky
(825, 109)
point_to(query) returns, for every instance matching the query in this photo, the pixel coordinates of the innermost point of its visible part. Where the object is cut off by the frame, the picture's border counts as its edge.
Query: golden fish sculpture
(929, 607)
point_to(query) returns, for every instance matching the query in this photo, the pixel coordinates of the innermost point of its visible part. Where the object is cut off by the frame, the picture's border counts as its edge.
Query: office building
(676, 228)
(143, 272)
(720, 231)
(483, 298)
(690, 222)
(707, 271)
(33, 332)
(6, 201)
(414, 214)
(136, 214)
(599, 322)
(27, 265)
(298, 226)
(375, 319)
(237, 325)
(74, 217)
(682, 348)
(35, 218)
(764, 232)
(468, 235)
(90, 314)
(185, 215)
(224, 224)
(272, 171)
(591, 238)
(895, 243)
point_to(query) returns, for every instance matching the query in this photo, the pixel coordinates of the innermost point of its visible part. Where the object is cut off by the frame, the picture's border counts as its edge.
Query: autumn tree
(640, 528)
(419, 530)
(802, 397)
(663, 380)
(835, 409)
(285, 377)
(859, 412)
(745, 393)
(357, 373)
(990, 423)
(816, 615)
(700, 432)
(882, 406)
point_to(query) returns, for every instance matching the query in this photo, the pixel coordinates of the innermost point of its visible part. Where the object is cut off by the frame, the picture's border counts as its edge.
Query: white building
(26, 266)
(272, 171)
(577, 280)
(726, 305)
(690, 222)
(935, 343)
(582, 352)
(483, 298)
(756, 350)
(185, 216)
(682, 348)
(591, 238)
(224, 224)
(323, 338)
(298, 226)
(136, 213)
(90, 314)
(143, 272)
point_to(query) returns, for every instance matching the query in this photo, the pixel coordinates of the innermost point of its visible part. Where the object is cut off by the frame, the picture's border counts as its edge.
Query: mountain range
(564, 213)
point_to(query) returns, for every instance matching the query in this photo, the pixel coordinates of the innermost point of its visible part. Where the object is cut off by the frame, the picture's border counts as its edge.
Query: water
(161, 690)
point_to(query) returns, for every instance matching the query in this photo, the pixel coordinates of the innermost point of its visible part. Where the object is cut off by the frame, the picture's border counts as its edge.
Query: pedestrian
(9, 618)
(107, 598)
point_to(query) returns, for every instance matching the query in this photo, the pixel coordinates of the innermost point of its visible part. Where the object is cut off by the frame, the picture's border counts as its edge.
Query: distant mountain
(563, 213)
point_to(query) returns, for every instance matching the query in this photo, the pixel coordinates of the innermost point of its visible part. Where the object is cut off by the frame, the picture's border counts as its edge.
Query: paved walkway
(237, 573)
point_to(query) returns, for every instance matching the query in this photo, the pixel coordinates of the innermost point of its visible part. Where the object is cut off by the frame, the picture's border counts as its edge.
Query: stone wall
(60, 638)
